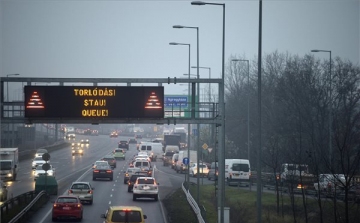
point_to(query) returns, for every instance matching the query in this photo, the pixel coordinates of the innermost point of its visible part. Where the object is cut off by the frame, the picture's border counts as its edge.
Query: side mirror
(102, 216)
(15, 166)
(145, 217)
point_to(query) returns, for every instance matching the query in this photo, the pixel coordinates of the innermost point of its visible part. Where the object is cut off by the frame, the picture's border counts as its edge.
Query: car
(67, 207)
(70, 135)
(37, 161)
(111, 160)
(138, 136)
(3, 191)
(119, 154)
(85, 142)
(83, 190)
(75, 144)
(146, 187)
(132, 141)
(113, 135)
(213, 171)
(40, 152)
(103, 171)
(77, 150)
(124, 214)
(39, 171)
(123, 144)
(130, 171)
(203, 169)
(100, 162)
(132, 180)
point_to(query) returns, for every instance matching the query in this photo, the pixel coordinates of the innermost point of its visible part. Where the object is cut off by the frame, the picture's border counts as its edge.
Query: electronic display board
(100, 102)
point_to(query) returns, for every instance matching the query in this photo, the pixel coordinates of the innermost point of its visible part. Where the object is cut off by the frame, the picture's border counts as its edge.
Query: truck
(170, 150)
(181, 131)
(180, 166)
(9, 163)
(296, 176)
(173, 140)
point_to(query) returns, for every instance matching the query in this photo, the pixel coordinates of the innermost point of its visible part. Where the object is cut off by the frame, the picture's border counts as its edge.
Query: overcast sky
(130, 39)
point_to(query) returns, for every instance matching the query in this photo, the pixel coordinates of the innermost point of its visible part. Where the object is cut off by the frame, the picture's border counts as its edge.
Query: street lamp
(198, 94)
(188, 144)
(221, 180)
(248, 103)
(330, 104)
(7, 85)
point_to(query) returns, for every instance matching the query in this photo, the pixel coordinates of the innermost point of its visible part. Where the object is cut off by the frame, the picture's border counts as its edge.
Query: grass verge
(242, 204)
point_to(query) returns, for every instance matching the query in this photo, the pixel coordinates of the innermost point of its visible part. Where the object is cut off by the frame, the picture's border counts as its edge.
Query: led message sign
(99, 102)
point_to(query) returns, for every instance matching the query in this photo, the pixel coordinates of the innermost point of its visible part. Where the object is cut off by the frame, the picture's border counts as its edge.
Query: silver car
(83, 190)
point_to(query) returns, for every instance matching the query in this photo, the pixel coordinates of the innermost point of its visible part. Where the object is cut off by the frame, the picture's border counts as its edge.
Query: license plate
(146, 187)
(66, 208)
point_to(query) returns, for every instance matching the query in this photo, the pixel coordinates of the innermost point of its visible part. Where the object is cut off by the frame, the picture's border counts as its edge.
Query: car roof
(41, 150)
(135, 208)
(147, 178)
(80, 182)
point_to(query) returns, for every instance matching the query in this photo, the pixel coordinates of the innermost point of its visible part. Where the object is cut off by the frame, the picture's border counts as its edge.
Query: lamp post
(198, 94)
(188, 144)
(221, 180)
(7, 86)
(330, 103)
(248, 103)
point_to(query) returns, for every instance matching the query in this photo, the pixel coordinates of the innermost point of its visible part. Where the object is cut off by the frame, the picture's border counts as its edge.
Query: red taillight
(96, 171)
(109, 171)
(90, 192)
(70, 191)
(54, 205)
(79, 206)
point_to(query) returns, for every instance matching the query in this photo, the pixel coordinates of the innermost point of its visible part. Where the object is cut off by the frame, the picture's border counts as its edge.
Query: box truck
(9, 163)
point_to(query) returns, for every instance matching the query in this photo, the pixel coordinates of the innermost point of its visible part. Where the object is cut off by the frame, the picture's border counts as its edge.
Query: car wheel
(94, 178)
(125, 182)
(91, 202)
(209, 177)
(129, 189)
(111, 179)
(134, 197)
(54, 219)
(156, 198)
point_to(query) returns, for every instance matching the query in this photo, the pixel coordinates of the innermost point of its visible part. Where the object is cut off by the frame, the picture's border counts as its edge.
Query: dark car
(103, 171)
(213, 171)
(132, 180)
(111, 160)
(138, 136)
(123, 144)
(132, 141)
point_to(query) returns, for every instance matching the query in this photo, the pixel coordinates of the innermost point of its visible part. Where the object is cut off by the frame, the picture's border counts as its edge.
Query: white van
(153, 149)
(237, 171)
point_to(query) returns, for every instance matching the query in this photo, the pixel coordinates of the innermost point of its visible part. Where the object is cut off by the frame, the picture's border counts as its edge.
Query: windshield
(5, 165)
(38, 158)
(41, 151)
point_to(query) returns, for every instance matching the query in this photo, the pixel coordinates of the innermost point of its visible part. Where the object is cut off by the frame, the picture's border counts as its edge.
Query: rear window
(214, 165)
(80, 186)
(240, 167)
(67, 200)
(138, 164)
(146, 181)
(107, 159)
(126, 216)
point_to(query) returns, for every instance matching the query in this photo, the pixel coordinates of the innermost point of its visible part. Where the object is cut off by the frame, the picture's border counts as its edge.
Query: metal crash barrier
(17, 209)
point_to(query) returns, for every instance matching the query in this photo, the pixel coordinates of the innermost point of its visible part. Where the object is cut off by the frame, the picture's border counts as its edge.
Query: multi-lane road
(78, 168)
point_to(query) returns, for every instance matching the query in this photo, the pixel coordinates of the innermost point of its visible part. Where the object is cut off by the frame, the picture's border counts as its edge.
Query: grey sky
(131, 38)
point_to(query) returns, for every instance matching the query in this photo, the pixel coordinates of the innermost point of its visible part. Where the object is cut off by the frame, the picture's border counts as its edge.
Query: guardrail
(15, 209)
(193, 205)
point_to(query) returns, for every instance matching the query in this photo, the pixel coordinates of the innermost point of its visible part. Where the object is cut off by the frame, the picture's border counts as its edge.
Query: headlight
(80, 150)
(9, 175)
(50, 173)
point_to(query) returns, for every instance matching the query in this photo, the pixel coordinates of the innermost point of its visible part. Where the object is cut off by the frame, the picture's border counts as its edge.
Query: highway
(78, 168)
